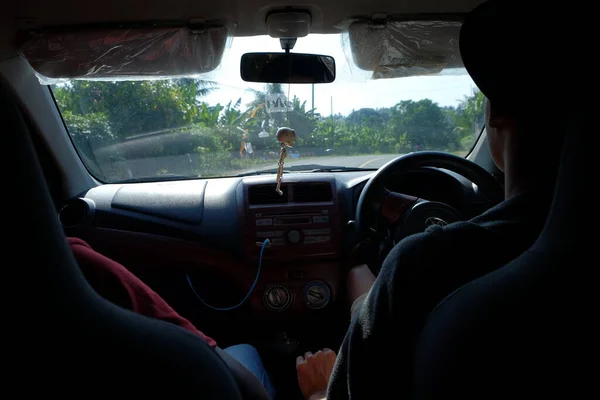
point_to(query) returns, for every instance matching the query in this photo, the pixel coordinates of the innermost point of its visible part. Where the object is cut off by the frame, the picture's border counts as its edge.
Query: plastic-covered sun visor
(122, 53)
(394, 49)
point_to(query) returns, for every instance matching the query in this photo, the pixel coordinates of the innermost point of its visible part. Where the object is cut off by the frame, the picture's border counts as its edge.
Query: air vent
(266, 194)
(75, 212)
(312, 193)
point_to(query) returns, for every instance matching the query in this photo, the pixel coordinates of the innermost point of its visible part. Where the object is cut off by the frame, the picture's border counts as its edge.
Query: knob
(317, 295)
(277, 297)
(294, 236)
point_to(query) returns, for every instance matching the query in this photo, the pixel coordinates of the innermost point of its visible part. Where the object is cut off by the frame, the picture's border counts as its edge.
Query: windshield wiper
(157, 178)
(339, 169)
(308, 168)
(262, 172)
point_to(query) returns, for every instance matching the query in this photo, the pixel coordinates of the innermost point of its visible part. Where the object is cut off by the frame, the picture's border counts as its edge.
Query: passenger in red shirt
(118, 285)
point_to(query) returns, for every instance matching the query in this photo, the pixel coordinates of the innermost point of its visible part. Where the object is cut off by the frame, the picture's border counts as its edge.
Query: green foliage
(90, 131)
(468, 118)
(114, 121)
(134, 107)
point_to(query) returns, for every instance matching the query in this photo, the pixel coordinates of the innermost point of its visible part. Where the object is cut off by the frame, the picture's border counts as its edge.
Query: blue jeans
(248, 356)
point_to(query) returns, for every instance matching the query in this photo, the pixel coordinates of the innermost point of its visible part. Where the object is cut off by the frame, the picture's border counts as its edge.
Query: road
(370, 161)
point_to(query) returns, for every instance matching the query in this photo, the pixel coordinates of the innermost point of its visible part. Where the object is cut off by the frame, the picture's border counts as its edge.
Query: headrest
(568, 212)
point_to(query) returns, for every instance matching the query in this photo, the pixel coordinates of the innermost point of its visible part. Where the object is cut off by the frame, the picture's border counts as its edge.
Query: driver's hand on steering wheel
(314, 371)
(359, 281)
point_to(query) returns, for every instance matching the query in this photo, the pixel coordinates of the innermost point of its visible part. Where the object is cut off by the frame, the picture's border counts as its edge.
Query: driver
(376, 356)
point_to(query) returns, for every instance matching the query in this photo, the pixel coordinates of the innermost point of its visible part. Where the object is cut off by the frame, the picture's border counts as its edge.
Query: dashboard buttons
(321, 219)
(277, 298)
(296, 275)
(264, 222)
(269, 234)
(324, 231)
(310, 240)
(316, 239)
(294, 236)
(317, 295)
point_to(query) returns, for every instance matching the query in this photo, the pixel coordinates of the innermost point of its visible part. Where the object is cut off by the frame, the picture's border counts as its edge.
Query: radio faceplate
(297, 231)
(308, 228)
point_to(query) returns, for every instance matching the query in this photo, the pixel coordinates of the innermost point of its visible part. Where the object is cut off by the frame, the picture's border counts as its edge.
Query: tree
(115, 121)
(258, 119)
(135, 107)
(423, 125)
(469, 118)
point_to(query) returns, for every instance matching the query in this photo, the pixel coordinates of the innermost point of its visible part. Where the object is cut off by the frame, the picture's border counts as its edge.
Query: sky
(353, 89)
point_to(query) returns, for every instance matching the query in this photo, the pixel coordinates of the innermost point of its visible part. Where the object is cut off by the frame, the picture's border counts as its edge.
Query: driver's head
(511, 135)
(505, 48)
(499, 127)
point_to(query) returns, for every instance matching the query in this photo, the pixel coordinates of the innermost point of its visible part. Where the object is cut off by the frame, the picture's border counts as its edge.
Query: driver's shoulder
(438, 244)
(456, 235)
(430, 258)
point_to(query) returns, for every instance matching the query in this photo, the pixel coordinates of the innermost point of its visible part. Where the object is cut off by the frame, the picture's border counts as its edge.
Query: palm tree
(205, 87)
(195, 88)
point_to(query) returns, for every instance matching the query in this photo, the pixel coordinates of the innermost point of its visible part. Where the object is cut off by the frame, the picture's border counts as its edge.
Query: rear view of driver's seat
(528, 330)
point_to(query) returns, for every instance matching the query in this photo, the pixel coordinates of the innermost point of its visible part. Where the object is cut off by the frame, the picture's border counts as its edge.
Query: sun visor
(393, 49)
(124, 53)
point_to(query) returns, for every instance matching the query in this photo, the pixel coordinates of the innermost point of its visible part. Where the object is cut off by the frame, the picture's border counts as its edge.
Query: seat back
(526, 330)
(62, 337)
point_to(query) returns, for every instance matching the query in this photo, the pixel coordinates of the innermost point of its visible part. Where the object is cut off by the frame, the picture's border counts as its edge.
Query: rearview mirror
(287, 68)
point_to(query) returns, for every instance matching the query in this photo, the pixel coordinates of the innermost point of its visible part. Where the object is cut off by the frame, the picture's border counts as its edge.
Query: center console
(301, 267)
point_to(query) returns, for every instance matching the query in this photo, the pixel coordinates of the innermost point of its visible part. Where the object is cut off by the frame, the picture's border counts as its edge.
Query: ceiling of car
(248, 15)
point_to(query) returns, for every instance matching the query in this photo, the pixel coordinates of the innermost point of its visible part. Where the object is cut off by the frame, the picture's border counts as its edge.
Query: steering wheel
(380, 209)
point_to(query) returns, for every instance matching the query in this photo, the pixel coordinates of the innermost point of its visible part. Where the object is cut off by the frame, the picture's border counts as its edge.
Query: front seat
(60, 337)
(526, 330)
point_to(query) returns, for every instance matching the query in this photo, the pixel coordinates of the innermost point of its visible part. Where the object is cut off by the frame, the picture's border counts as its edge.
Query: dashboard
(215, 228)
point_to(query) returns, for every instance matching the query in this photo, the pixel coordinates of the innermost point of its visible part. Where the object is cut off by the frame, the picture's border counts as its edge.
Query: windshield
(223, 126)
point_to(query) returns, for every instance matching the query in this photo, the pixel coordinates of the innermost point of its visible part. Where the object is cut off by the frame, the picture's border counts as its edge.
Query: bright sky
(352, 88)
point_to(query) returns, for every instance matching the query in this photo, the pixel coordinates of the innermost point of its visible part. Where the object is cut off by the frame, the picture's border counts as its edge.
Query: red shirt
(116, 284)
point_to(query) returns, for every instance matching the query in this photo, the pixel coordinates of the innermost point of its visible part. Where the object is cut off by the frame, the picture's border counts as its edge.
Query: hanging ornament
(287, 137)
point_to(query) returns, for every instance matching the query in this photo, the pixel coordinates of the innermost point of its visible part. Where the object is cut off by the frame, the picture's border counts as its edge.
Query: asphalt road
(370, 161)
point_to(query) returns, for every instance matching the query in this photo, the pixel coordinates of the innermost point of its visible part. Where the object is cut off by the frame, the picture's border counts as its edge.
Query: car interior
(146, 130)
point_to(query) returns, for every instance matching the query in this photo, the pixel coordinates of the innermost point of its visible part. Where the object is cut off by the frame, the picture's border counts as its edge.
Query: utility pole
(312, 107)
(332, 123)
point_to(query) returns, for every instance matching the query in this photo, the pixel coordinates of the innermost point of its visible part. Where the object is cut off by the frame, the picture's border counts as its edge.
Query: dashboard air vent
(265, 194)
(312, 193)
(75, 212)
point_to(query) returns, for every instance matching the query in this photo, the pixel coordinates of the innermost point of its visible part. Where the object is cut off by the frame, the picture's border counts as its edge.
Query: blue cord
(260, 257)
